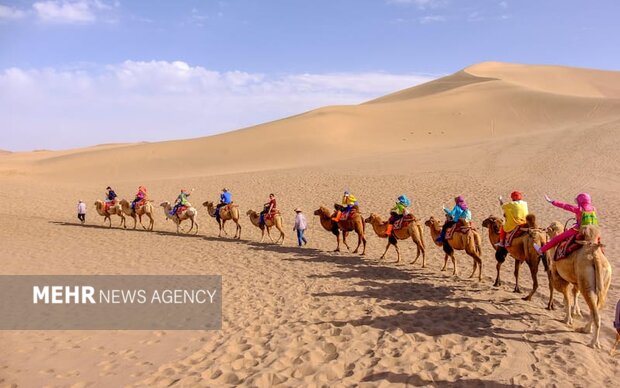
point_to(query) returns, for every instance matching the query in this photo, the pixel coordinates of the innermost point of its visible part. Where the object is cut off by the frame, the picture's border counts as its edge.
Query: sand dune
(309, 316)
(484, 101)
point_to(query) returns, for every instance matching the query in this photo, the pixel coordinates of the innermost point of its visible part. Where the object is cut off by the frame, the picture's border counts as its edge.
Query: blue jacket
(457, 213)
(226, 197)
(111, 195)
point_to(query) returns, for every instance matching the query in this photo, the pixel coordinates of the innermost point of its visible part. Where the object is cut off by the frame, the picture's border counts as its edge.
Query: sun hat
(298, 210)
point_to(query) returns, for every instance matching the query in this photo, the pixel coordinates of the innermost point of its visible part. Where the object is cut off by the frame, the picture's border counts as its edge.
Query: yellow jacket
(514, 213)
(350, 200)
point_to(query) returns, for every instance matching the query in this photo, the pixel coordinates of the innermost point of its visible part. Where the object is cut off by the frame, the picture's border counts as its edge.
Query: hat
(516, 195)
(108, 188)
(224, 189)
(298, 210)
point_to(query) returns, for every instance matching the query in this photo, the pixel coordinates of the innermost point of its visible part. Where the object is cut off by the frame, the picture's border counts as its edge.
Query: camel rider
(398, 212)
(268, 208)
(140, 197)
(181, 201)
(348, 201)
(110, 196)
(515, 213)
(460, 212)
(225, 199)
(585, 214)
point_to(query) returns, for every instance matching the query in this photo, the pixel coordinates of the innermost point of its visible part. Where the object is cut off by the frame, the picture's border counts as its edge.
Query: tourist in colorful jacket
(585, 214)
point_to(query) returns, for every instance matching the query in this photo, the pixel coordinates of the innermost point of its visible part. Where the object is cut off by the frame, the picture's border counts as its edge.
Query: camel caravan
(572, 256)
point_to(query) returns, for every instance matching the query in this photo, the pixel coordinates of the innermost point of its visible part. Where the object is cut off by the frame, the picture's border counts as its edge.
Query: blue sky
(82, 72)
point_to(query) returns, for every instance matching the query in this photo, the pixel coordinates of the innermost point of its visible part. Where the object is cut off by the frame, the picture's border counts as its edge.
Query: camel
(413, 230)
(146, 209)
(114, 209)
(469, 242)
(352, 223)
(225, 215)
(188, 214)
(588, 271)
(521, 249)
(275, 221)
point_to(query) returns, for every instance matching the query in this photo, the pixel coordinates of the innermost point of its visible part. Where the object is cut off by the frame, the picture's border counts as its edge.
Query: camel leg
(195, 223)
(363, 238)
(473, 272)
(498, 281)
(281, 237)
(477, 265)
(262, 236)
(568, 319)
(359, 242)
(141, 224)
(445, 261)
(576, 309)
(135, 223)
(397, 253)
(384, 252)
(517, 267)
(534, 272)
(418, 251)
(151, 222)
(595, 319)
(456, 272)
(550, 275)
(344, 240)
(269, 233)
(338, 243)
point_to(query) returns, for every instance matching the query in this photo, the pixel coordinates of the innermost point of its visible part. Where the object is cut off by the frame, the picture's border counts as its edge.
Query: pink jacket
(574, 209)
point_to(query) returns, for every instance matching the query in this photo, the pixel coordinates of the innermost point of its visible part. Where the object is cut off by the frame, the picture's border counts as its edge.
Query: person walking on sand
(300, 226)
(81, 208)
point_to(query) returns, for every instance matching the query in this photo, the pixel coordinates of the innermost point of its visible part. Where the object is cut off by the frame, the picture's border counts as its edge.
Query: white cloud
(71, 12)
(432, 19)
(10, 13)
(136, 101)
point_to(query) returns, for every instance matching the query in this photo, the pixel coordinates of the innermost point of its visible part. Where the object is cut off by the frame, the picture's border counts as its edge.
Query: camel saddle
(404, 221)
(460, 227)
(566, 247)
(516, 232)
(181, 209)
(107, 205)
(271, 215)
(345, 215)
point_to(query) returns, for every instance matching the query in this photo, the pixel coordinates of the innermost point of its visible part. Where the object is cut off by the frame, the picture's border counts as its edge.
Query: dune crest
(490, 100)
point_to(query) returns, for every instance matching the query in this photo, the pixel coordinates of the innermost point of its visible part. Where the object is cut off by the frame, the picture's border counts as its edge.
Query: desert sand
(308, 316)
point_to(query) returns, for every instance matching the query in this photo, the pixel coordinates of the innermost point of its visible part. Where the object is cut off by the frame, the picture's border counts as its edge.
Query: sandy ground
(308, 316)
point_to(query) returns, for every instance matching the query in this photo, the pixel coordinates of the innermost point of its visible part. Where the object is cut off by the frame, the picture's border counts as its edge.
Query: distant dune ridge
(487, 100)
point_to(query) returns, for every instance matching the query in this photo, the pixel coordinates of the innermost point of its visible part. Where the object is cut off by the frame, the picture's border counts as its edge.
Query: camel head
(432, 223)
(250, 212)
(555, 228)
(323, 211)
(207, 204)
(165, 204)
(492, 221)
(371, 218)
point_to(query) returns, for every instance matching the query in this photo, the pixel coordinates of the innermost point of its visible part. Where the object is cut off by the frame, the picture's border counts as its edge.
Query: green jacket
(399, 208)
(182, 199)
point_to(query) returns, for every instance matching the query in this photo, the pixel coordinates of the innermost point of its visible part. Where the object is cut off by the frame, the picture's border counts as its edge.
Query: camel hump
(531, 221)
